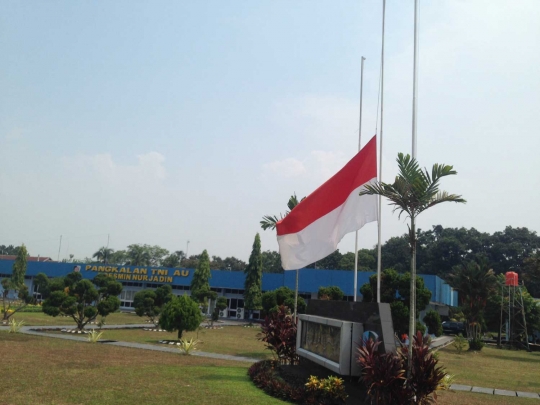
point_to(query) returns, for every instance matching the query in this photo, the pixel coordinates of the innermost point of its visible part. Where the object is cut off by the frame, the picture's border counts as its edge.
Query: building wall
(226, 283)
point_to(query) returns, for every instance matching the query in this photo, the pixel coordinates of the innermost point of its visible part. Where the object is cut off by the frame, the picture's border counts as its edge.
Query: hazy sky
(163, 121)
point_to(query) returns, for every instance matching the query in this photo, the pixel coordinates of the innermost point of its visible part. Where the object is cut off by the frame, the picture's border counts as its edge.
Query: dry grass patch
(39, 370)
(494, 368)
(233, 340)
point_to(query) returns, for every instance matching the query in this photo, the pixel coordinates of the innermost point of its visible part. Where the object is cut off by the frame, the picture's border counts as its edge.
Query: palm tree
(103, 254)
(475, 282)
(270, 222)
(138, 255)
(414, 190)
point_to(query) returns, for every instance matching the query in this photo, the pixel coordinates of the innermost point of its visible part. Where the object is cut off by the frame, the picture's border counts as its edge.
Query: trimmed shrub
(459, 343)
(476, 344)
(333, 293)
(433, 323)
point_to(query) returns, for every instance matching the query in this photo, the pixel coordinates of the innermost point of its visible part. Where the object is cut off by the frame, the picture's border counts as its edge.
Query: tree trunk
(179, 334)
(412, 305)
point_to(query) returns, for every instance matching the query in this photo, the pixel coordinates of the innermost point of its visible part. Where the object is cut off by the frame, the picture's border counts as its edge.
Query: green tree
(138, 255)
(16, 284)
(271, 262)
(414, 191)
(150, 303)
(531, 274)
(333, 293)
(119, 257)
(253, 281)
(157, 254)
(475, 282)
(330, 262)
(180, 314)
(432, 319)
(9, 250)
(272, 300)
(171, 261)
(492, 312)
(221, 304)
(80, 299)
(104, 254)
(19, 268)
(395, 290)
(201, 277)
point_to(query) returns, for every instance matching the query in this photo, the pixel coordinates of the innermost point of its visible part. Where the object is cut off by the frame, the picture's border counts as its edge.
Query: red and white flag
(313, 229)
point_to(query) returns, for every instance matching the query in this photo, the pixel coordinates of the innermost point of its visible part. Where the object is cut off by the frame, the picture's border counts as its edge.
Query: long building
(229, 284)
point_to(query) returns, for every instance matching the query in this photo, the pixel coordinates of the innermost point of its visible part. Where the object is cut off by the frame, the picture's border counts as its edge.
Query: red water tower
(511, 278)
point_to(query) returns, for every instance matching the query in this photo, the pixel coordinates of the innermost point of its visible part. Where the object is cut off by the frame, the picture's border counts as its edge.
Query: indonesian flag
(313, 229)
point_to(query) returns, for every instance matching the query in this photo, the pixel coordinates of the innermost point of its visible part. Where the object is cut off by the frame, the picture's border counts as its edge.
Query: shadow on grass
(255, 355)
(534, 359)
(225, 377)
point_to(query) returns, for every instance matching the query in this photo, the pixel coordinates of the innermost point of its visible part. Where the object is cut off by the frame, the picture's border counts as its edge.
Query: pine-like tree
(253, 283)
(19, 268)
(201, 277)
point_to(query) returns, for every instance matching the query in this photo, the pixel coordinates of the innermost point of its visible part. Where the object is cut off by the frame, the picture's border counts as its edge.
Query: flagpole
(412, 305)
(380, 161)
(359, 147)
(296, 296)
(415, 79)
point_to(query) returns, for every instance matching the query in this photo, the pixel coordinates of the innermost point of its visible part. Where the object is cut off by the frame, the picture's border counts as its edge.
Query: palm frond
(293, 202)
(441, 197)
(269, 222)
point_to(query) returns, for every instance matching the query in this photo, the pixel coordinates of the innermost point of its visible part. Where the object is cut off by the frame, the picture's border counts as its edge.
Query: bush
(420, 327)
(476, 344)
(31, 308)
(327, 391)
(433, 323)
(333, 293)
(278, 331)
(384, 374)
(272, 300)
(459, 343)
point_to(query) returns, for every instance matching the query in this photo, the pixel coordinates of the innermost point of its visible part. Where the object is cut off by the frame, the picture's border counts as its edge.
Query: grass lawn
(462, 398)
(39, 370)
(39, 318)
(234, 340)
(494, 368)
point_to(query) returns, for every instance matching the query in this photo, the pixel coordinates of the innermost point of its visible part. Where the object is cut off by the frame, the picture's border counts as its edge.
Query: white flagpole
(412, 305)
(359, 147)
(415, 79)
(380, 161)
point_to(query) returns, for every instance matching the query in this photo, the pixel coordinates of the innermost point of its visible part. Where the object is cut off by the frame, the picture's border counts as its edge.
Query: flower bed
(291, 384)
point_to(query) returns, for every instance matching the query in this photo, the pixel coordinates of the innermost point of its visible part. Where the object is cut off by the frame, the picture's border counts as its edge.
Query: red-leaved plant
(425, 376)
(384, 374)
(278, 331)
